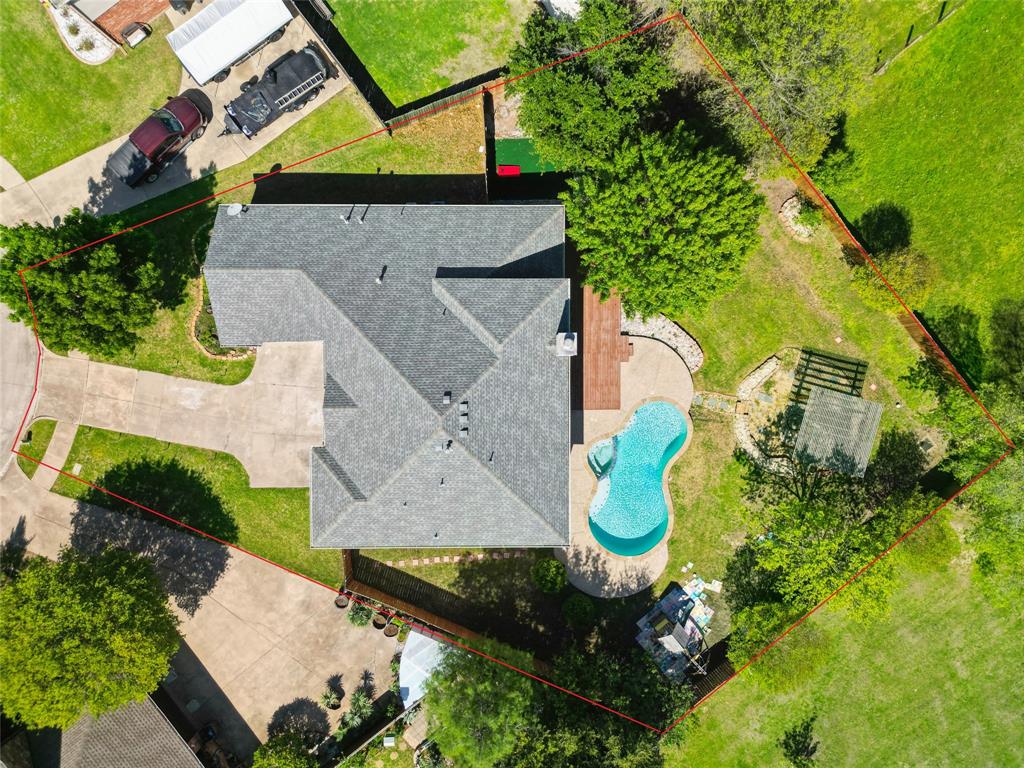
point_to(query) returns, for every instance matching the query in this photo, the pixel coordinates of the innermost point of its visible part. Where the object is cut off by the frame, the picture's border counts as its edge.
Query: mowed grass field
(937, 682)
(272, 522)
(413, 48)
(53, 107)
(941, 134)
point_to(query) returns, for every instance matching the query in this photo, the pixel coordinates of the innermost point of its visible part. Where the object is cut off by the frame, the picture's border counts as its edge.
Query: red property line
(433, 632)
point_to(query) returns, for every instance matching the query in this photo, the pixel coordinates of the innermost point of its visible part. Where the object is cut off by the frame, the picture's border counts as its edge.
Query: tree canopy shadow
(885, 227)
(13, 550)
(189, 565)
(302, 716)
(957, 330)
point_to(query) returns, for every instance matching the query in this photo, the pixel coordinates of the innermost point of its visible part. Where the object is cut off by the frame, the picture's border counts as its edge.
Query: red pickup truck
(158, 141)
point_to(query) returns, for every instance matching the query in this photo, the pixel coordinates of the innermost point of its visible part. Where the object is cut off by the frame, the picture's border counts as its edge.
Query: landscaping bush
(549, 575)
(73, 29)
(87, 45)
(810, 215)
(578, 610)
(360, 614)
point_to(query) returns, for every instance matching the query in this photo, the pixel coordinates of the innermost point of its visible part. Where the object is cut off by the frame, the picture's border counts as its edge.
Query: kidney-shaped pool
(628, 514)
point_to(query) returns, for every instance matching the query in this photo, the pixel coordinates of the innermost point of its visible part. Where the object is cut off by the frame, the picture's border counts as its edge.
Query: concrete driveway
(85, 182)
(269, 422)
(259, 642)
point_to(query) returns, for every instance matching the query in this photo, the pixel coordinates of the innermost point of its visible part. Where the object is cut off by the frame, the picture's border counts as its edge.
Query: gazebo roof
(838, 430)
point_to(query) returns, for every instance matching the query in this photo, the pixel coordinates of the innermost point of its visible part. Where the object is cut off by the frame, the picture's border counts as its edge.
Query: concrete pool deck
(653, 372)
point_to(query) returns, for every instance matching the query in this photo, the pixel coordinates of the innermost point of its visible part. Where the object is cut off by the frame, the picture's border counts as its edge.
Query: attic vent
(447, 399)
(565, 344)
(463, 432)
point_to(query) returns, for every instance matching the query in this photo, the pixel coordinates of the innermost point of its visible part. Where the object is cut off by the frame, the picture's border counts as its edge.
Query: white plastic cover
(225, 31)
(419, 657)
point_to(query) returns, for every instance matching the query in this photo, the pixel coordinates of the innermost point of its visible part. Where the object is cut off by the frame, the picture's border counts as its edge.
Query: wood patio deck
(604, 348)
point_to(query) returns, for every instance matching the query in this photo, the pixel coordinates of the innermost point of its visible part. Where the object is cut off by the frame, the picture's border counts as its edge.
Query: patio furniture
(135, 33)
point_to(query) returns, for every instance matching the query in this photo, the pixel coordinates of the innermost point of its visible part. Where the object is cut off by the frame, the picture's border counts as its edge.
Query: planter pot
(391, 630)
(341, 601)
(379, 620)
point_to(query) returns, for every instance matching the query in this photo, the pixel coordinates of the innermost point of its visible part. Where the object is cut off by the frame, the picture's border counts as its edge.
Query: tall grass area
(938, 681)
(940, 134)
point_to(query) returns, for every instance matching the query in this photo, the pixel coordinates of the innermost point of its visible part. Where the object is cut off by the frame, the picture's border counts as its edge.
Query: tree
(1006, 344)
(907, 270)
(478, 709)
(579, 111)
(665, 224)
(93, 300)
(284, 751)
(795, 62)
(82, 635)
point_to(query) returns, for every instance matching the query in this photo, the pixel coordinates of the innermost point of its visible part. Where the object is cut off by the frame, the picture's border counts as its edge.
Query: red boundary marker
(450, 640)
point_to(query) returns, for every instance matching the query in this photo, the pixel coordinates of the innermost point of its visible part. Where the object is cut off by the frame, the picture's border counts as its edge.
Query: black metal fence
(921, 26)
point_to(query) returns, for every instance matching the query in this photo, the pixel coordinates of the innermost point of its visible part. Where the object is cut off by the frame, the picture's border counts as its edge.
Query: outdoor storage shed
(218, 36)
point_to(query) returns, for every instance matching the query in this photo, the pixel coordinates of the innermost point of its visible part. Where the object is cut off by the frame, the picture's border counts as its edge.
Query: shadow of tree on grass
(190, 565)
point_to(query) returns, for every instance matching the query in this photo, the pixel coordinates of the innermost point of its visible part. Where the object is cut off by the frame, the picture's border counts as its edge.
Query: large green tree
(579, 111)
(82, 635)
(666, 224)
(797, 63)
(478, 709)
(284, 751)
(94, 300)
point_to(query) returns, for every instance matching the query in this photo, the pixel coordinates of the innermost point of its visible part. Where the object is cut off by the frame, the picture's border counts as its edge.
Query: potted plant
(359, 615)
(342, 600)
(329, 699)
(393, 627)
(379, 620)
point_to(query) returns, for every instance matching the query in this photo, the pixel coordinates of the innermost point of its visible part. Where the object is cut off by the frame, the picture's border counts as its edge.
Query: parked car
(287, 85)
(158, 141)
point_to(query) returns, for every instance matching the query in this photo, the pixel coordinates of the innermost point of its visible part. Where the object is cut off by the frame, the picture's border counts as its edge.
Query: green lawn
(794, 295)
(54, 108)
(938, 682)
(41, 431)
(940, 134)
(413, 48)
(166, 347)
(446, 144)
(210, 490)
(886, 24)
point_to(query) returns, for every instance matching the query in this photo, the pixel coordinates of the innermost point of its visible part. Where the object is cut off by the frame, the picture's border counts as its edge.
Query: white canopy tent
(420, 656)
(221, 34)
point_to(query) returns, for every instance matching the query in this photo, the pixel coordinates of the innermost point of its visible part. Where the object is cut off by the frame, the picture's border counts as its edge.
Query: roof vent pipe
(380, 278)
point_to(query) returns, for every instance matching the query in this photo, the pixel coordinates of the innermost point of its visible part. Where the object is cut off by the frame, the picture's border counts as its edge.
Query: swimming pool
(628, 514)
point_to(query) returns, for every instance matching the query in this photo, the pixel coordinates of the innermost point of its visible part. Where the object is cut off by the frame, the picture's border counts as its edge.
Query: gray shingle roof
(470, 301)
(135, 735)
(838, 430)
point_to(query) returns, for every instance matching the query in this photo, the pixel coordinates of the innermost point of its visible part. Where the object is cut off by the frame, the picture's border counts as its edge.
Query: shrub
(810, 214)
(329, 699)
(87, 45)
(360, 614)
(73, 29)
(549, 575)
(578, 610)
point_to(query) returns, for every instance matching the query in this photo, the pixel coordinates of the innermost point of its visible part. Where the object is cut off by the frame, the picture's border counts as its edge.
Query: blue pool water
(628, 514)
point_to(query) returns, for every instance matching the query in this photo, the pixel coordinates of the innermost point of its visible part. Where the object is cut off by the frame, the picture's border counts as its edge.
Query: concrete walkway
(654, 372)
(259, 642)
(85, 182)
(269, 422)
(56, 454)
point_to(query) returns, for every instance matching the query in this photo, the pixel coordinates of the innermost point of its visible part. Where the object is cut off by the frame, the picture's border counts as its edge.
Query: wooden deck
(604, 348)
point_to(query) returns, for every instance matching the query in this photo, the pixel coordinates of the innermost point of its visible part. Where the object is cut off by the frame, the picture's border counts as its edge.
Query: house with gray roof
(446, 405)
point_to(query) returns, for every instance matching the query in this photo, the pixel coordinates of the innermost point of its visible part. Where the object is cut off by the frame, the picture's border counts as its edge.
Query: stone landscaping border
(660, 328)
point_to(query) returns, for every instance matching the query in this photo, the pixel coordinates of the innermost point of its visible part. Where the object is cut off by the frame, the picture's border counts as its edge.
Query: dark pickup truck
(288, 84)
(153, 145)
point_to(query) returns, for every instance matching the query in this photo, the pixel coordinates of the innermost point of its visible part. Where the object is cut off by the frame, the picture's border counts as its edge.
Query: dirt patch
(458, 131)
